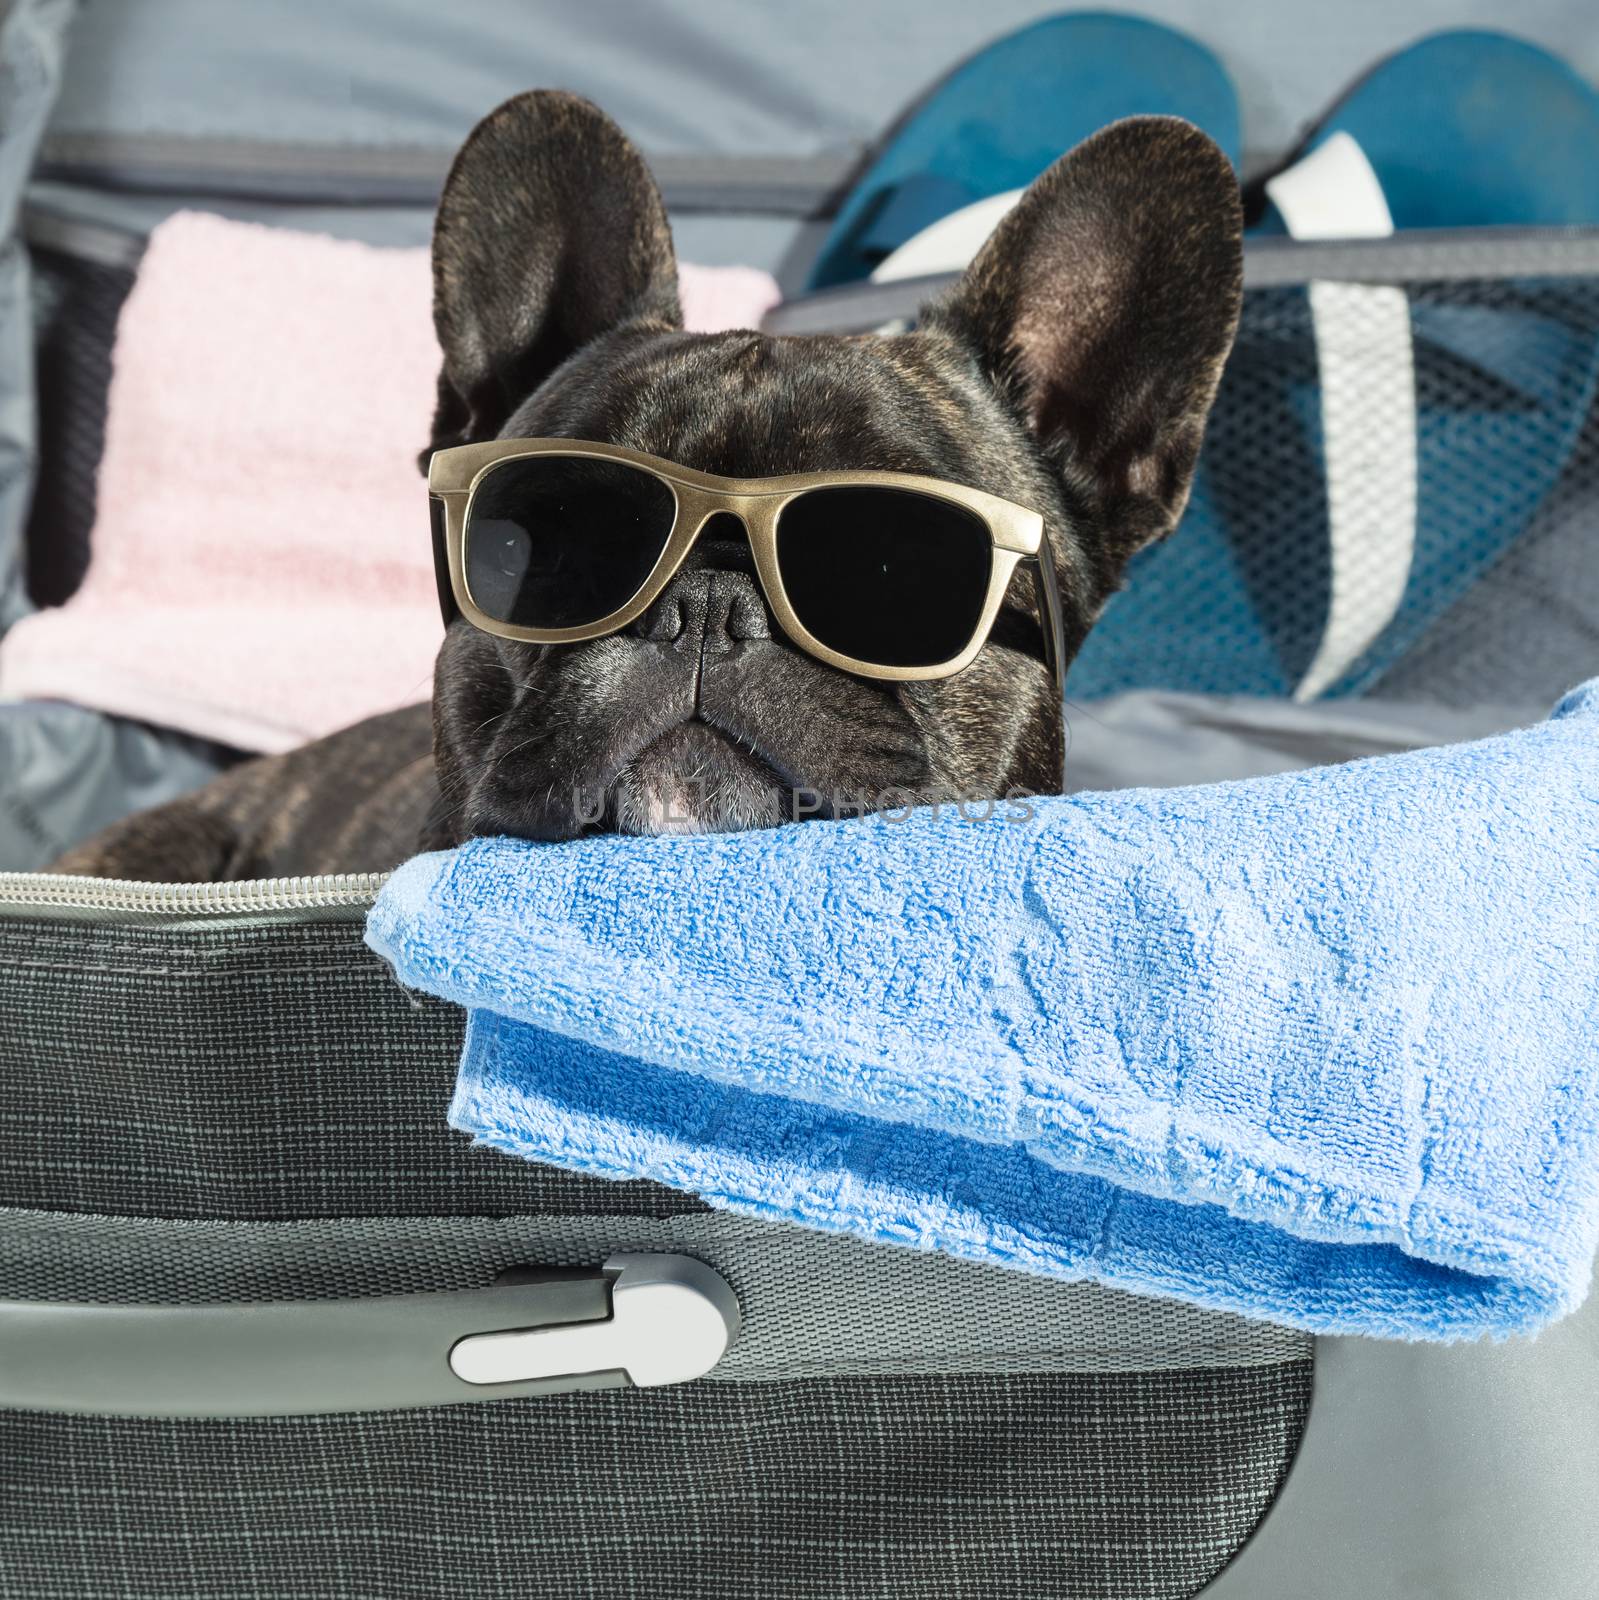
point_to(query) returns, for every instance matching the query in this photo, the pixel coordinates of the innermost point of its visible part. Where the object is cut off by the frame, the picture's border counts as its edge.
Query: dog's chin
(694, 779)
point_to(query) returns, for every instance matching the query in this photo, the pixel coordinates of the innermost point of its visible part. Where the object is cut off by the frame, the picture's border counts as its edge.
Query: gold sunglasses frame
(1016, 535)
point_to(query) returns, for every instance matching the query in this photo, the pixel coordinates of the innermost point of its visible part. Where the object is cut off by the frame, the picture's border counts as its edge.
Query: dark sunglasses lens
(885, 575)
(561, 541)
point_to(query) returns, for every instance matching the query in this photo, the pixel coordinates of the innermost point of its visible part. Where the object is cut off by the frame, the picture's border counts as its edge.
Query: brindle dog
(1071, 370)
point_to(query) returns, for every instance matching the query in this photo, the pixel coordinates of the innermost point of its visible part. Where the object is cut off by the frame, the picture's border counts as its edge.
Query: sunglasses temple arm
(441, 562)
(1054, 621)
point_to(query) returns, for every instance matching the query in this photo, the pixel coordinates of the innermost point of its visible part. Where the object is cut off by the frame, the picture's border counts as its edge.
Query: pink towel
(262, 569)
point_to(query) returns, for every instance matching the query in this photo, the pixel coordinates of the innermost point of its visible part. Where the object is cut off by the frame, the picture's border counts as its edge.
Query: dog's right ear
(1103, 307)
(550, 232)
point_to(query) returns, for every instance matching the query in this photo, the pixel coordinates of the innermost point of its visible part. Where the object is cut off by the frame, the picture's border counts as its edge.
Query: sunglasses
(883, 574)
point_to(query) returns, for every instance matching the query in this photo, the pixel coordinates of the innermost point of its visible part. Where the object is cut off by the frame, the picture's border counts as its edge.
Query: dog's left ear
(1103, 307)
(550, 233)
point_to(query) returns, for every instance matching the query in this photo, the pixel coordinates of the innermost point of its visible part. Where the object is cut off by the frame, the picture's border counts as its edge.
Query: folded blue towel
(1318, 1047)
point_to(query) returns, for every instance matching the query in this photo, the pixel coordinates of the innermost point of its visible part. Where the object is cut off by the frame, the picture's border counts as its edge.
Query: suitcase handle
(641, 1319)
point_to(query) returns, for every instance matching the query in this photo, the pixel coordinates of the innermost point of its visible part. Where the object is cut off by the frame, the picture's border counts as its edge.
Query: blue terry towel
(1318, 1047)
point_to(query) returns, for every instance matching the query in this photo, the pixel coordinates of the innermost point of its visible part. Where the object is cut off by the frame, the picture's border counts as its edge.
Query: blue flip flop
(1469, 129)
(1001, 117)
(1475, 129)
(1480, 129)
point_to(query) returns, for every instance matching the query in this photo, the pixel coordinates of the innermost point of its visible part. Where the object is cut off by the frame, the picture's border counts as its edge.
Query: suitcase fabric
(236, 1110)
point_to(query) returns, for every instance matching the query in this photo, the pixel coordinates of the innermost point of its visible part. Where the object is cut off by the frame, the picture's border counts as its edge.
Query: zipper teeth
(127, 896)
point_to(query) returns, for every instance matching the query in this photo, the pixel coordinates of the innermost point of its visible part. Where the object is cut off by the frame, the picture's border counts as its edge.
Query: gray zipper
(335, 897)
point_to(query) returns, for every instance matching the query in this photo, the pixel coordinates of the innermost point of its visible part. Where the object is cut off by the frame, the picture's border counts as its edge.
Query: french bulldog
(1070, 370)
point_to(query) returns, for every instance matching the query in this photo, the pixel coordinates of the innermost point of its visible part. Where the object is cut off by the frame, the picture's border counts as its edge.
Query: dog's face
(1070, 371)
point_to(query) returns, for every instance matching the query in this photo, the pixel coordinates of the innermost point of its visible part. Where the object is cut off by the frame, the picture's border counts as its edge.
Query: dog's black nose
(715, 601)
(709, 609)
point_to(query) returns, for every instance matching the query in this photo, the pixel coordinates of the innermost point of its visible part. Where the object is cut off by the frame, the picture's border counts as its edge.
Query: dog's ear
(550, 232)
(1103, 307)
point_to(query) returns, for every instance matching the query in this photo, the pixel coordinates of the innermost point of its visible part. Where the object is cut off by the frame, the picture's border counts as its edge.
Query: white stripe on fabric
(1368, 402)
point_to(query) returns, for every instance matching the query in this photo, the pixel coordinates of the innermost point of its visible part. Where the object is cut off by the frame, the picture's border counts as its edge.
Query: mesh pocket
(1380, 455)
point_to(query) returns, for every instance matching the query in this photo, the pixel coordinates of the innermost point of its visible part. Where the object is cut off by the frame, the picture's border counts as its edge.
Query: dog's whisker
(1082, 710)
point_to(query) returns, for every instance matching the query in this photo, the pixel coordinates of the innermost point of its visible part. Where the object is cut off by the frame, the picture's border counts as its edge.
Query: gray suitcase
(238, 1245)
